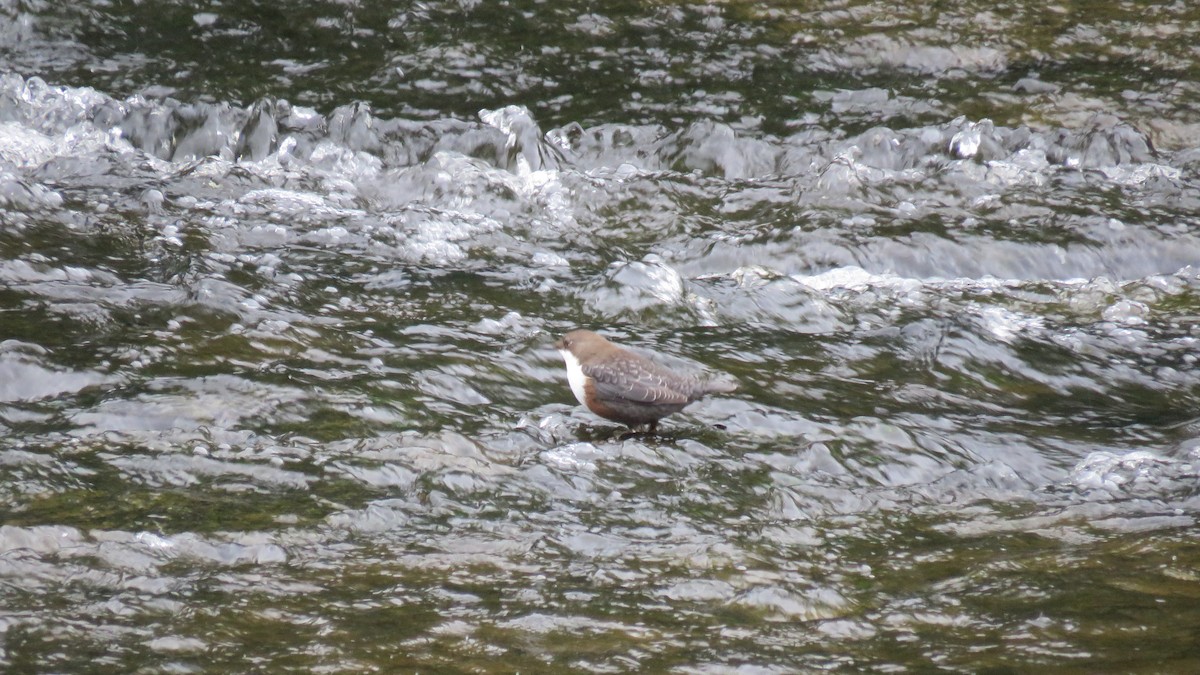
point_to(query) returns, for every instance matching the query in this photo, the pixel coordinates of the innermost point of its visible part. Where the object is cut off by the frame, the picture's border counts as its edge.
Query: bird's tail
(722, 386)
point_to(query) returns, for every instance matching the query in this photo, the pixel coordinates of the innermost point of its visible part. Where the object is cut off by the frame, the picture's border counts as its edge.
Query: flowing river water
(279, 284)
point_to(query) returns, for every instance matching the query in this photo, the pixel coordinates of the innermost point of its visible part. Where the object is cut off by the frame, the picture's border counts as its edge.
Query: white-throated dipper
(621, 386)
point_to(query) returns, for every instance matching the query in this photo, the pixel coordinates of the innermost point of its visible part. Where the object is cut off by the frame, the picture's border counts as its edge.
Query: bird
(625, 387)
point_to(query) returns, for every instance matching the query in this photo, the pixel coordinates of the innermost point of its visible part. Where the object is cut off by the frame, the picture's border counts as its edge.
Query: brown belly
(632, 413)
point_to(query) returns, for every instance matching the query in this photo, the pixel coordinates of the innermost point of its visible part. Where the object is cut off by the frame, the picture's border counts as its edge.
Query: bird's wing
(640, 381)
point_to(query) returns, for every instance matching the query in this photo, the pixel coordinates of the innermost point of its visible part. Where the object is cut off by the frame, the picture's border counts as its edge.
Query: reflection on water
(277, 384)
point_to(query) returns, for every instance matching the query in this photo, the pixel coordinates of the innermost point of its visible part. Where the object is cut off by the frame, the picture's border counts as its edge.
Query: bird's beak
(558, 344)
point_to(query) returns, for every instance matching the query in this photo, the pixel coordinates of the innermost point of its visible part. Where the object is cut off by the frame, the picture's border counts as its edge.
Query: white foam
(1110, 471)
(1006, 324)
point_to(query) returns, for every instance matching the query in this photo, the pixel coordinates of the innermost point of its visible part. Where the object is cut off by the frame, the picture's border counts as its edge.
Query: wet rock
(1107, 141)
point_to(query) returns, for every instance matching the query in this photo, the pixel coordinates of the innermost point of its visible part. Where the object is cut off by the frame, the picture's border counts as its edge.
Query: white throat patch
(575, 375)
